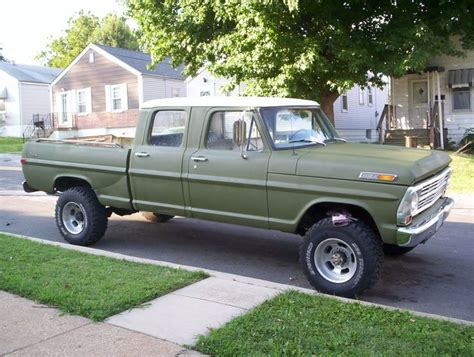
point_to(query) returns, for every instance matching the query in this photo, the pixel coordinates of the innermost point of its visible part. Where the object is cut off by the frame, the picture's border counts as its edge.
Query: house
(24, 93)
(101, 91)
(356, 111)
(205, 84)
(416, 109)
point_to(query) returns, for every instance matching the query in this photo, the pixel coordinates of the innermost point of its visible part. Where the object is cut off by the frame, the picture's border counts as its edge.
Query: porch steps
(397, 136)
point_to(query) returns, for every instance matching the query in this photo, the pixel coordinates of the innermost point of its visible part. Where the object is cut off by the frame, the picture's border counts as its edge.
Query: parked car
(268, 163)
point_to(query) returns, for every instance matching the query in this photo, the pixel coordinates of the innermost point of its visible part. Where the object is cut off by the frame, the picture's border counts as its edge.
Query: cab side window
(220, 135)
(168, 128)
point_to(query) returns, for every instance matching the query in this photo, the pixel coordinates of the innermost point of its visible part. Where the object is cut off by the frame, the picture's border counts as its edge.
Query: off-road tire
(361, 239)
(94, 216)
(157, 217)
(395, 250)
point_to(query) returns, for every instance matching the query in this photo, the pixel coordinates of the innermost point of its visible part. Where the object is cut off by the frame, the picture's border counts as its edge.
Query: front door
(225, 185)
(64, 114)
(156, 164)
(419, 105)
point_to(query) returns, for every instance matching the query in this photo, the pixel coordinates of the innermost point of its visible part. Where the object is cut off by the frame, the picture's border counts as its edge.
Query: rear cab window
(167, 128)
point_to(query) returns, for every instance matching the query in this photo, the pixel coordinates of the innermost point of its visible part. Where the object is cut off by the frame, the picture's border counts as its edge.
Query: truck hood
(346, 161)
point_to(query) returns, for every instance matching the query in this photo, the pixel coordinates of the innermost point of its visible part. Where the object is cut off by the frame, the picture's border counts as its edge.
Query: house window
(344, 102)
(64, 107)
(91, 57)
(83, 99)
(175, 92)
(116, 97)
(461, 99)
(361, 96)
(370, 97)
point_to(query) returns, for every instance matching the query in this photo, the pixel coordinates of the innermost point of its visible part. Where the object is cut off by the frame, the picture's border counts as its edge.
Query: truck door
(225, 185)
(156, 163)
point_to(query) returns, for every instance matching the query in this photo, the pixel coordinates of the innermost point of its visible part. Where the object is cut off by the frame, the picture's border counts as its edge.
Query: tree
(312, 49)
(85, 28)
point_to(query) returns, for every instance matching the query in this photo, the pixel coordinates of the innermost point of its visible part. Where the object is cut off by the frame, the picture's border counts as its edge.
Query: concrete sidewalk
(31, 329)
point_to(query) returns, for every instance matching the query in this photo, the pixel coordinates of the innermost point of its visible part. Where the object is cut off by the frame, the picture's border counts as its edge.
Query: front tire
(342, 261)
(80, 217)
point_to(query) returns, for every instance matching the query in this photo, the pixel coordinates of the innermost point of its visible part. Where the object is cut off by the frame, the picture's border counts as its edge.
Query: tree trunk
(327, 104)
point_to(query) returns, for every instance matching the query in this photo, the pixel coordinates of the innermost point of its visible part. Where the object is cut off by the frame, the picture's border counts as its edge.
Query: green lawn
(83, 284)
(8, 144)
(297, 324)
(463, 173)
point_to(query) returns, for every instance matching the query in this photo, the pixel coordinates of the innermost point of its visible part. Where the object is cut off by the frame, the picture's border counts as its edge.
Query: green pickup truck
(268, 163)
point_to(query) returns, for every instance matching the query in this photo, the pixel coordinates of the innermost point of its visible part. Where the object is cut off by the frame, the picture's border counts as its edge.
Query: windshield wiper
(335, 139)
(307, 141)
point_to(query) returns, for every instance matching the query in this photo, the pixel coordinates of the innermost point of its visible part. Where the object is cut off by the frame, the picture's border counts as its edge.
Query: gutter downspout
(440, 116)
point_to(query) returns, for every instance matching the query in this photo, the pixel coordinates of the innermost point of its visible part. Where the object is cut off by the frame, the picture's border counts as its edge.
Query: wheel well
(64, 183)
(322, 210)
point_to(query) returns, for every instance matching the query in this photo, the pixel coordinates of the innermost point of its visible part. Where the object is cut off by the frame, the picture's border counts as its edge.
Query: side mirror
(239, 132)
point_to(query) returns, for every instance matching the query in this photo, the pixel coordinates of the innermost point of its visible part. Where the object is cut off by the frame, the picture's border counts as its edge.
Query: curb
(237, 278)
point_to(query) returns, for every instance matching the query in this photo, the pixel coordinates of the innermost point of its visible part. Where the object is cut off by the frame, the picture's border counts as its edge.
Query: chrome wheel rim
(335, 260)
(73, 217)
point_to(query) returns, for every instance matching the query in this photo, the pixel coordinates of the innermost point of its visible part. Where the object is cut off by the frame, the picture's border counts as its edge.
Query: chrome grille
(429, 191)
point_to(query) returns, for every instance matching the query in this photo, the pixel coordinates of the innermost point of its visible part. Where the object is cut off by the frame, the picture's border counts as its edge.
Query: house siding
(11, 125)
(35, 100)
(158, 87)
(359, 122)
(96, 76)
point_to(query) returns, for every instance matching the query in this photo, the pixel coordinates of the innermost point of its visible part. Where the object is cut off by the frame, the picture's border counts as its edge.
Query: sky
(26, 25)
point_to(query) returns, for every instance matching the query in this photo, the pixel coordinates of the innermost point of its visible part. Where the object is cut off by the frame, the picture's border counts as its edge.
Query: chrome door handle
(142, 154)
(199, 158)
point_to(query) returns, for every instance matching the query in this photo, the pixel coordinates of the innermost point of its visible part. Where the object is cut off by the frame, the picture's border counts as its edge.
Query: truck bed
(47, 163)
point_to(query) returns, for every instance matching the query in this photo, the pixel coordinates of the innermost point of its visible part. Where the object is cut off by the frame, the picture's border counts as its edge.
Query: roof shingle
(140, 62)
(29, 73)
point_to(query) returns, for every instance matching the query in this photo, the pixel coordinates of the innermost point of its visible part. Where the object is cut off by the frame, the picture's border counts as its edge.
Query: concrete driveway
(436, 277)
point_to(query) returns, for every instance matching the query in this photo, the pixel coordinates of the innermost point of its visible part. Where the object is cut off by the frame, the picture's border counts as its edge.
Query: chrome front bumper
(420, 232)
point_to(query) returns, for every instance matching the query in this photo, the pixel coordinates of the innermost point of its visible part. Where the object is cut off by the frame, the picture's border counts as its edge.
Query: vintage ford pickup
(268, 163)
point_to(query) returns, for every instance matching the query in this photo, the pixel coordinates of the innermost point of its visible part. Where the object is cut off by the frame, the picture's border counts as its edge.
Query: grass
(83, 284)
(9, 144)
(297, 324)
(463, 173)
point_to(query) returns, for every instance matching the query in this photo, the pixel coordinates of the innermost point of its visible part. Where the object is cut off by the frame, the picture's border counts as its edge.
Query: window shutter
(72, 102)
(124, 96)
(108, 99)
(88, 100)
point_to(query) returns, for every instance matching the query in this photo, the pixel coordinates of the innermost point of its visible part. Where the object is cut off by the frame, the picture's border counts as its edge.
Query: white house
(24, 92)
(356, 112)
(415, 99)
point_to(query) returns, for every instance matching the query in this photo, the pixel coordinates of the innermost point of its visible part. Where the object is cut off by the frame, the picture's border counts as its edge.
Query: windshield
(293, 127)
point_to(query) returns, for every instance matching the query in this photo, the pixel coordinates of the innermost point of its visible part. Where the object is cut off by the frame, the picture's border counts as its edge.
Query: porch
(416, 109)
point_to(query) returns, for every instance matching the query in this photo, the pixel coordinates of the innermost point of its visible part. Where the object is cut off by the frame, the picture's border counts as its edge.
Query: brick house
(101, 91)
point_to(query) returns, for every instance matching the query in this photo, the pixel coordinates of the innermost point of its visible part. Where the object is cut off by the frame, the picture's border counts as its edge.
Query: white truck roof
(251, 102)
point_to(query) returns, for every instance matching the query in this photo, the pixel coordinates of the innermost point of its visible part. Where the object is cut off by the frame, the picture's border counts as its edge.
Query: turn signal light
(377, 176)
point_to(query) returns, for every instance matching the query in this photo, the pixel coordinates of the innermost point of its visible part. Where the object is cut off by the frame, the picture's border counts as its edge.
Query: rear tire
(395, 250)
(80, 217)
(342, 261)
(157, 217)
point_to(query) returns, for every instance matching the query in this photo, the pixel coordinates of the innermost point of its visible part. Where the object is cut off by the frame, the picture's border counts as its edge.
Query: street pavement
(435, 278)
